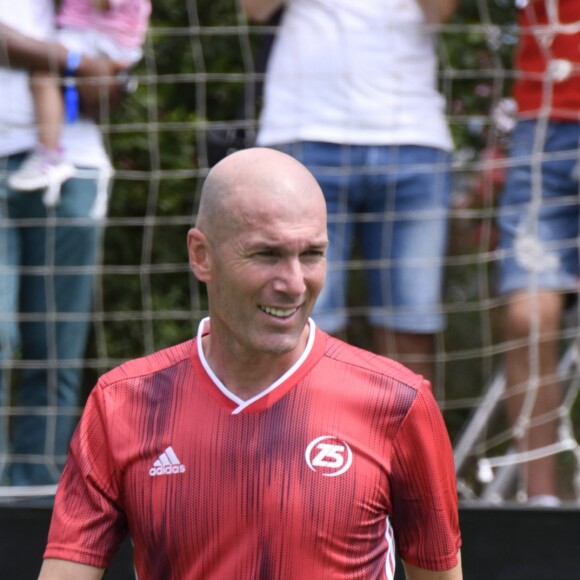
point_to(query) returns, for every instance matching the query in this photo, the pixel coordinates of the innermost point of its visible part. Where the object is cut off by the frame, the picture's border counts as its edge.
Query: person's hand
(99, 86)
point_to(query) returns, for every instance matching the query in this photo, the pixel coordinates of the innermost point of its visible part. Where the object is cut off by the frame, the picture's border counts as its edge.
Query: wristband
(73, 61)
(71, 94)
(71, 103)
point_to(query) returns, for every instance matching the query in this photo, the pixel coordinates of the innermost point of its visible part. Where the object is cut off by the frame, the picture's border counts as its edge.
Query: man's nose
(290, 278)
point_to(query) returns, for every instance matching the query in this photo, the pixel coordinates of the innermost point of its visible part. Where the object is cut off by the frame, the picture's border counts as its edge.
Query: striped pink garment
(126, 22)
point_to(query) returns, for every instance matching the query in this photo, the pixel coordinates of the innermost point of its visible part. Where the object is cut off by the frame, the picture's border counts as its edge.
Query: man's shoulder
(151, 364)
(340, 352)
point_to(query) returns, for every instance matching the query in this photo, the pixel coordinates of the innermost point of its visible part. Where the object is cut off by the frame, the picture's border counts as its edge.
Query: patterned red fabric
(542, 43)
(309, 481)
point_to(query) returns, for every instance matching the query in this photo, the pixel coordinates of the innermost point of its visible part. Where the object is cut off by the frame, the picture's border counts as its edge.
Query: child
(112, 28)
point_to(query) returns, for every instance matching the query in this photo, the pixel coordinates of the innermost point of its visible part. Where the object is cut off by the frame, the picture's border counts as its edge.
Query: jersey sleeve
(424, 494)
(87, 523)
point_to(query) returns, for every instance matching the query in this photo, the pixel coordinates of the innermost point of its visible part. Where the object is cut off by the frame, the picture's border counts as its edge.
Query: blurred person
(350, 91)
(539, 229)
(263, 448)
(47, 256)
(100, 28)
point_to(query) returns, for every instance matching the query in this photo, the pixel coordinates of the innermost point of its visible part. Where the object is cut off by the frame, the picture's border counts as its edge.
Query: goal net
(197, 98)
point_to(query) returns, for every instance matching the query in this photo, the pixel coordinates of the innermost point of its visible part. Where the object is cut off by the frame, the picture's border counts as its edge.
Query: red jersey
(316, 477)
(548, 60)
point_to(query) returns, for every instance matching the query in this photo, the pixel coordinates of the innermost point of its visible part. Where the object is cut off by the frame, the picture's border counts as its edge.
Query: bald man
(263, 448)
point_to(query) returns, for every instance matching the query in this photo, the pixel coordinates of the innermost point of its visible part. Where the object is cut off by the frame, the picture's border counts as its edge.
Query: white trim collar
(241, 403)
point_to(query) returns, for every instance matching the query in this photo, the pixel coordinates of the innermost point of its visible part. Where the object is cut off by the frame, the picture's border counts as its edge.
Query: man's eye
(314, 253)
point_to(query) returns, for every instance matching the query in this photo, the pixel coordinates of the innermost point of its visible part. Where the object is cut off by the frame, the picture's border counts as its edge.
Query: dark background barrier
(503, 543)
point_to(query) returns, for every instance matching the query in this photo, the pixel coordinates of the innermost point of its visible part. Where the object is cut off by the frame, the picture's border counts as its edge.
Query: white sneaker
(544, 500)
(40, 170)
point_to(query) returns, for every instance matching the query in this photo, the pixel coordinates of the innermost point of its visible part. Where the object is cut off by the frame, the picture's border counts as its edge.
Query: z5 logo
(329, 455)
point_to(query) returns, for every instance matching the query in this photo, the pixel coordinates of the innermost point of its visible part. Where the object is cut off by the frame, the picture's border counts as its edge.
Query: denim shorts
(539, 216)
(392, 203)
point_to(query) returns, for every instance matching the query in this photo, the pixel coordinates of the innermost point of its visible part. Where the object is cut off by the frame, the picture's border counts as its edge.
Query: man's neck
(247, 375)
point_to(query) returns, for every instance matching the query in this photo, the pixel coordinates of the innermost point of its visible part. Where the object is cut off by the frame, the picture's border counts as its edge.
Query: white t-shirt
(82, 141)
(354, 71)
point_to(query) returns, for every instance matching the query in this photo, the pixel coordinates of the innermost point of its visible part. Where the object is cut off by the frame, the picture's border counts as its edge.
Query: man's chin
(280, 347)
(281, 343)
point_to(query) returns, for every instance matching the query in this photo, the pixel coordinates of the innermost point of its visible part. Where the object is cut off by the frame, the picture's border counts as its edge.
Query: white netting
(197, 96)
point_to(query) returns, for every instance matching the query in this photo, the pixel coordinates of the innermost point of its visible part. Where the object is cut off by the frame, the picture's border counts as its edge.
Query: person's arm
(18, 50)
(65, 570)
(96, 76)
(414, 573)
(437, 11)
(261, 10)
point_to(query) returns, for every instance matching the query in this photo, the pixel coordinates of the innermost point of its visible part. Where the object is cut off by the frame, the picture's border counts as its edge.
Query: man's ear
(198, 251)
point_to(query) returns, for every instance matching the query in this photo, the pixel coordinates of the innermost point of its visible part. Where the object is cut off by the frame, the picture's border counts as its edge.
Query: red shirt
(311, 480)
(544, 39)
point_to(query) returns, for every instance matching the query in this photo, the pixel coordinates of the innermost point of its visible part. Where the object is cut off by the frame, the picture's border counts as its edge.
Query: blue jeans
(47, 262)
(393, 201)
(539, 215)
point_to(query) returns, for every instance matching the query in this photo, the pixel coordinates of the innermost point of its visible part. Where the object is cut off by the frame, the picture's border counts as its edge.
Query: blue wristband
(71, 103)
(73, 61)
(71, 95)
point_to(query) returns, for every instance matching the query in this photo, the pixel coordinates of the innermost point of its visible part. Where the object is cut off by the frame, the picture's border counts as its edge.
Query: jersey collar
(312, 353)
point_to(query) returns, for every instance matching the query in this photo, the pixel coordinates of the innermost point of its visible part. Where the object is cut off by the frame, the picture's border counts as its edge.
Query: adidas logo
(167, 464)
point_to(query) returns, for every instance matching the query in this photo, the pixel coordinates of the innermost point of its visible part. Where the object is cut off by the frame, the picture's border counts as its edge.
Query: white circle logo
(328, 455)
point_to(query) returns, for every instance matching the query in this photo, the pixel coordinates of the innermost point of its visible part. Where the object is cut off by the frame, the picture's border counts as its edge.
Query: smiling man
(263, 448)
(259, 247)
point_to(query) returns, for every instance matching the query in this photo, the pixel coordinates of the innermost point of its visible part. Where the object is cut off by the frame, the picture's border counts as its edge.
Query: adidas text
(167, 470)
(167, 464)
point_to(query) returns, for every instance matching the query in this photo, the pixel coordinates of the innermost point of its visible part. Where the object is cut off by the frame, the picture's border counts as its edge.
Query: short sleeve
(424, 492)
(87, 523)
